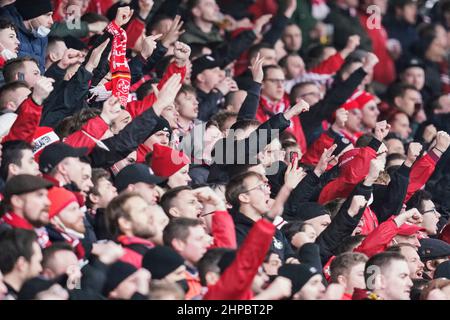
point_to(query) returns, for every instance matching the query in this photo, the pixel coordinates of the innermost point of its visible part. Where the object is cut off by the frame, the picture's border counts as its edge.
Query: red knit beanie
(364, 98)
(166, 161)
(60, 198)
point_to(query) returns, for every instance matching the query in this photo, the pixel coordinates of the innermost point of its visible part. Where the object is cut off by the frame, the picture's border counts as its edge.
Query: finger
(155, 37)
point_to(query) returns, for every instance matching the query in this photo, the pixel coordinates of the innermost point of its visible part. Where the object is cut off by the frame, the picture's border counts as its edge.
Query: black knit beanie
(116, 273)
(161, 261)
(299, 274)
(30, 9)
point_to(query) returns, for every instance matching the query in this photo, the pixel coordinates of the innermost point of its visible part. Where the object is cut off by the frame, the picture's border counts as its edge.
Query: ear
(244, 198)
(94, 199)
(16, 201)
(21, 264)
(11, 106)
(13, 169)
(398, 101)
(124, 224)
(200, 78)
(342, 280)
(52, 56)
(178, 245)
(174, 212)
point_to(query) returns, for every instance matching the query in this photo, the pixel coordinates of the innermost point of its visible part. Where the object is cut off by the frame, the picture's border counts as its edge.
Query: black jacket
(341, 226)
(334, 98)
(280, 245)
(67, 98)
(388, 200)
(126, 141)
(230, 152)
(208, 103)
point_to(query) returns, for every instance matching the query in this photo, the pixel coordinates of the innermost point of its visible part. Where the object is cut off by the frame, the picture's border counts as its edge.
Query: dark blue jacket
(30, 45)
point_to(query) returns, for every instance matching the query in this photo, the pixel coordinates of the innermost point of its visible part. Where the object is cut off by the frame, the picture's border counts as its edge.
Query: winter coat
(236, 281)
(280, 245)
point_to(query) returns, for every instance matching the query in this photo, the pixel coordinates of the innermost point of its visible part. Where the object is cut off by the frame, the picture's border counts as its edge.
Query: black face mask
(183, 284)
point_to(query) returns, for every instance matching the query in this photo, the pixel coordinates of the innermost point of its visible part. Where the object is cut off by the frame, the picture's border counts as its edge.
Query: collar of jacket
(240, 218)
(126, 240)
(213, 36)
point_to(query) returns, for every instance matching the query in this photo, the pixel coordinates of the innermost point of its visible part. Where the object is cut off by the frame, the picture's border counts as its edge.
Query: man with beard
(26, 205)
(130, 222)
(67, 220)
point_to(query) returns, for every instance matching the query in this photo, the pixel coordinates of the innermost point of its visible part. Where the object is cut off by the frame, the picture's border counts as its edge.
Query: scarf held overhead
(118, 64)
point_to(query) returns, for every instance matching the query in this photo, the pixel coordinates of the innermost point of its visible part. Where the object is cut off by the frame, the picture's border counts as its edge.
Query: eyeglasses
(431, 210)
(262, 187)
(276, 81)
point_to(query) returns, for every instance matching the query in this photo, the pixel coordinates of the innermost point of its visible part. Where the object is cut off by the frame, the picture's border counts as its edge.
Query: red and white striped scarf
(118, 64)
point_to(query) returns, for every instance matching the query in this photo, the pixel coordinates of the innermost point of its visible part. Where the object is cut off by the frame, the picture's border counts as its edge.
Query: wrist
(37, 99)
(106, 119)
(438, 149)
(180, 62)
(408, 163)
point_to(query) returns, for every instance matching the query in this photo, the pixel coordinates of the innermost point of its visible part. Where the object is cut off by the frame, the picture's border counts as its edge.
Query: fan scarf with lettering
(118, 64)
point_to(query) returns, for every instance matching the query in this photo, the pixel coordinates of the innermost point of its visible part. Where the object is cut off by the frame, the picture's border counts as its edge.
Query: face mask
(183, 284)
(8, 54)
(41, 32)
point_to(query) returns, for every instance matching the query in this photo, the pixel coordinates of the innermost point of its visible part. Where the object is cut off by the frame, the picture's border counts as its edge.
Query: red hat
(363, 99)
(60, 198)
(408, 229)
(348, 105)
(43, 137)
(348, 156)
(166, 161)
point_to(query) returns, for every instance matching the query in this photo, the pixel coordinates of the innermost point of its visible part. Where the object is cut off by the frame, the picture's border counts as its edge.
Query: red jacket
(95, 127)
(26, 123)
(421, 171)
(329, 66)
(266, 111)
(236, 282)
(135, 108)
(223, 230)
(379, 239)
(132, 256)
(369, 221)
(315, 150)
(383, 72)
(354, 166)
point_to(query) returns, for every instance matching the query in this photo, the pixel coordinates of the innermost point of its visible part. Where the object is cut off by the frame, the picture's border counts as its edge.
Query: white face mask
(8, 54)
(41, 32)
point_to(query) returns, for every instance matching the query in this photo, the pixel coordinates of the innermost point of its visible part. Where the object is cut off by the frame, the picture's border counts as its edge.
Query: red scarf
(268, 108)
(18, 222)
(118, 64)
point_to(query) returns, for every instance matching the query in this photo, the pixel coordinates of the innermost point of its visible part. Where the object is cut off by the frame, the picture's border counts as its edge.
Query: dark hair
(398, 90)
(314, 55)
(178, 228)
(12, 153)
(210, 263)
(236, 186)
(13, 66)
(145, 89)
(349, 61)
(416, 201)
(222, 116)
(7, 24)
(154, 22)
(343, 263)
(363, 141)
(349, 243)
(253, 51)
(292, 228)
(270, 67)
(382, 261)
(49, 252)
(168, 197)
(297, 87)
(394, 157)
(284, 61)
(79, 119)
(65, 127)
(185, 88)
(398, 247)
(245, 124)
(116, 210)
(9, 88)
(97, 175)
(15, 243)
